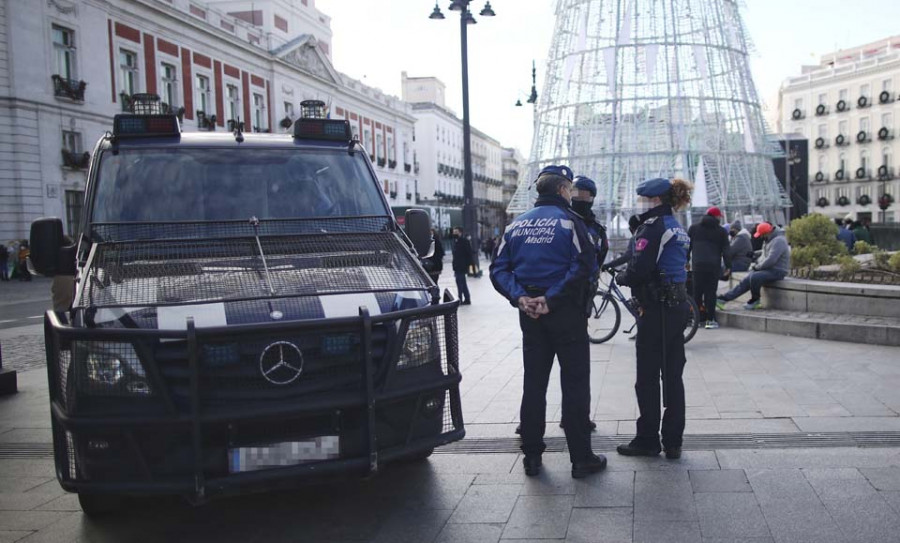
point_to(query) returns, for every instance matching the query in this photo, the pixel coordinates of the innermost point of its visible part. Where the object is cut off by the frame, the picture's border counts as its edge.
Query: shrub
(894, 262)
(863, 248)
(882, 259)
(849, 266)
(813, 241)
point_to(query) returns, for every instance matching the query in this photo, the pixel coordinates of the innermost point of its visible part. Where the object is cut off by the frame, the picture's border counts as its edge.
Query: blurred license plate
(287, 453)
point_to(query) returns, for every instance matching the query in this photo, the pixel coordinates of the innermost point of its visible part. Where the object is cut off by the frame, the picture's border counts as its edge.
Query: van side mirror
(49, 254)
(418, 230)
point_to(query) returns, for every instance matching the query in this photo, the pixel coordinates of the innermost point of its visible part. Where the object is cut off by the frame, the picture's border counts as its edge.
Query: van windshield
(202, 184)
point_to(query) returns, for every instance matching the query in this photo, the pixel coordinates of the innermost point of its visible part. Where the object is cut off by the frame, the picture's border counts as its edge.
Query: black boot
(673, 453)
(637, 448)
(532, 465)
(597, 462)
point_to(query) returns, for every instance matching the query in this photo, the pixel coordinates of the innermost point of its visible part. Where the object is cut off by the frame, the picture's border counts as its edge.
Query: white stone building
(847, 107)
(439, 148)
(513, 170)
(67, 67)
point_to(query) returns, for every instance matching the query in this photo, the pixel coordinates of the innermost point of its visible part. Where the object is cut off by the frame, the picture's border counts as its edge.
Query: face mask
(582, 207)
(455, 235)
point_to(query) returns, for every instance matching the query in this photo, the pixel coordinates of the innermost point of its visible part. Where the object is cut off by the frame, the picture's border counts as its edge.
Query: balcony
(407, 167)
(884, 134)
(821, 110)
(820, 177)
(841, 140)
(172, 110)
(797, 114)
(392, 164)
(206, 122)
(885, 173)
(68, 88)
(75, 161)
(862, 174)
(381, 162)
(820, 143)
(842, 106)
(862, 137)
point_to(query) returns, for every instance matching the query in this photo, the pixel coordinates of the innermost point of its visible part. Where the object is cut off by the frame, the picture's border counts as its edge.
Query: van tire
(99, 505)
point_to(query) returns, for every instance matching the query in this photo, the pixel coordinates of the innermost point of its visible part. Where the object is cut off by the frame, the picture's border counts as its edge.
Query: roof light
(322, 129)
(145, 126)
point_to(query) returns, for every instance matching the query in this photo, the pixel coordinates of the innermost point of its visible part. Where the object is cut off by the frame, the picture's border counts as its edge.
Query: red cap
(762, 229)
(714, 211)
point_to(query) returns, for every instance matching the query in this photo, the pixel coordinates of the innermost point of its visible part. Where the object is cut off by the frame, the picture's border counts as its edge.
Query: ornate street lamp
(466, 18)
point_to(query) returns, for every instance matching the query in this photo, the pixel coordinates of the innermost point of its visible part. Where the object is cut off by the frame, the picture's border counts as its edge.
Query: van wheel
(99, 505)
(418, 457)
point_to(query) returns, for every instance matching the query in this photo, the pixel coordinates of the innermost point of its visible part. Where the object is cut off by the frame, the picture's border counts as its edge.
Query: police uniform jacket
(546, 251)
(598, 235)
(660, 252)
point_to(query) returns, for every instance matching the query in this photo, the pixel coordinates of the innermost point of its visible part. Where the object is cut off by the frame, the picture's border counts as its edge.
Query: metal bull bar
(59, 334)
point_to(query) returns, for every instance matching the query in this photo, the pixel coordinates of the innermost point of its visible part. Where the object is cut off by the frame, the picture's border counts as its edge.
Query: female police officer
(656, 275)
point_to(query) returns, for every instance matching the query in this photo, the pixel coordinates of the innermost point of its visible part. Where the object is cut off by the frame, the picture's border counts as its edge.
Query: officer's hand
(527, 305)
(541, 307)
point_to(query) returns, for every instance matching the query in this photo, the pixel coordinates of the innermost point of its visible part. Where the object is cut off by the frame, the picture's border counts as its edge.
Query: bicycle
(606, 317)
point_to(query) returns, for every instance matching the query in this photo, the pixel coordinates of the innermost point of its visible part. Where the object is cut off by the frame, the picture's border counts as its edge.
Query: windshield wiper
(254, 222)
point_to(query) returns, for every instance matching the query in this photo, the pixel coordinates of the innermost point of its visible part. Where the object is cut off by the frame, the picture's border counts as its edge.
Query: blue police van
(247, 315)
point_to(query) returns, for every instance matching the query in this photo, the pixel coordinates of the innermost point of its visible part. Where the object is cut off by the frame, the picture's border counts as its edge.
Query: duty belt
(670, 294)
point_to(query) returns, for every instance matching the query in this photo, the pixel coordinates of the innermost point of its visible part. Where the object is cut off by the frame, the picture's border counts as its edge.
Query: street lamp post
(465, 19)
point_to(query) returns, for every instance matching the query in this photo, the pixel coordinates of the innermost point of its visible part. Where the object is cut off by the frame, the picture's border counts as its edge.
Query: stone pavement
(739, 383)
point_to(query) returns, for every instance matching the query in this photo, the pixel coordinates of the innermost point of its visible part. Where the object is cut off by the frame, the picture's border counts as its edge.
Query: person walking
(543, 267)
(845, 235)
(434, 264)
(462, 260)
(776, 255)
(741, 249)
(709, 247)
(4, 262)
(656, 275)
(24, 253)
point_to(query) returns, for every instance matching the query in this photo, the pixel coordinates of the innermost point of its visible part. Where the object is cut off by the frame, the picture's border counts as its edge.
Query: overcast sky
(376, 40)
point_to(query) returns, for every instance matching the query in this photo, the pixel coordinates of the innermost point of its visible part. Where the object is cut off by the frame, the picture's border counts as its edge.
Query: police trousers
(561, 333)
(649, 343)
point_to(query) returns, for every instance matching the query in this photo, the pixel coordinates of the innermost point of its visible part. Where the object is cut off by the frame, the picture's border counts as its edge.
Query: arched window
(842, 161)
(864, 160)
(823, 163)
(886, 157)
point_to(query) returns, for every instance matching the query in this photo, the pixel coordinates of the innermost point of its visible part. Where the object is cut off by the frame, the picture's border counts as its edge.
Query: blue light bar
(322, 129)
(145, 126)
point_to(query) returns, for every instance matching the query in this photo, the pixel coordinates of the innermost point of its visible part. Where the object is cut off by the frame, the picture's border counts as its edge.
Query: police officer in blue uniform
(543, 267)
(656, 275)
(582, 203)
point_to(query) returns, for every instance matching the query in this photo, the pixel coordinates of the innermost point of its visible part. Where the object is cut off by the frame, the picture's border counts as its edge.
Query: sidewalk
(787, 440)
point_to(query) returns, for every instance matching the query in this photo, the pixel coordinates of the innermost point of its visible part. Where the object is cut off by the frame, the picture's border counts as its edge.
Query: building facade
(439, 151)
(846, 107)
(513, 169)
(67, 67)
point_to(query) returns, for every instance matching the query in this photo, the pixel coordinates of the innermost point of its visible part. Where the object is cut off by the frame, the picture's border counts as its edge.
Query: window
(842, 192)
(798, 103)
(64, 50)
(128, 69)
(864, 124)
(842, 94)
(823, 98)
(74, 205)
(887, 120)
(886, 85)
(233, 98)
(864, 90)
(167, 84)
(842, 162)
(391, 154)
(367, 139)
(842, 128)
(354, 130)
(823, 164)
(259, 117)
(289, 110)
(379, 148)
(864, 160)
(886, 157)
(71, 141)
(203, 99)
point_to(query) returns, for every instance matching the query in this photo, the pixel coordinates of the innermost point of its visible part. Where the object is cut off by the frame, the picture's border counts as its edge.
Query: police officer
(656, 275)
(543, 267)
(582, 203)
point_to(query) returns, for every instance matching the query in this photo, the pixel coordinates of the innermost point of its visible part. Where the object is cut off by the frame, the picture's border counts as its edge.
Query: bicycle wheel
(603, 322)
(692, 321)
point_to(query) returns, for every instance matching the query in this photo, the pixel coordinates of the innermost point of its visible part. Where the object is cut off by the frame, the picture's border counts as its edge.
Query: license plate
(286, 453)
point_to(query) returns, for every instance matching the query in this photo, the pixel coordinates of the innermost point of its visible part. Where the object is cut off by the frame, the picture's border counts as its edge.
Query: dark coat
(709, 245)
(462, 255)
(435, 262)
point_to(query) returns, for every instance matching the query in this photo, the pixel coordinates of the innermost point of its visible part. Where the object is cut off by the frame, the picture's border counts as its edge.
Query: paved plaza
(788, 440)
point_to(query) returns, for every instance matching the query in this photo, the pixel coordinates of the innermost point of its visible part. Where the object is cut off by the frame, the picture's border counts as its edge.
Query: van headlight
(418, 347)
(112, 369)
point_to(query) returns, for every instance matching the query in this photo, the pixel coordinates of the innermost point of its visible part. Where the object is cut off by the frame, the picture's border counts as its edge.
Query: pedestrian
(462, 260)
(4, 262)
(709, 247)
(434, 263)
(487, 247)
(776, 263)
(657, 275)
(583, 203)
(844, 234)
(860, 232)
(543, 268)
(741, 249)
(24, 253)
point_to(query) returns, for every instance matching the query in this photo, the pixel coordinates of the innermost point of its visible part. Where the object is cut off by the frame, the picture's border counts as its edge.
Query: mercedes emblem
(281, 363)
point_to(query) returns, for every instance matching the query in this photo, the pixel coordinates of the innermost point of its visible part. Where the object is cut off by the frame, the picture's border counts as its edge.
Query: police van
(247, 315)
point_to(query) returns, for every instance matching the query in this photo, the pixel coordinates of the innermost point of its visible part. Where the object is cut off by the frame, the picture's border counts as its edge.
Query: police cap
(564, 171)
(653, 187)
(584, 183)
